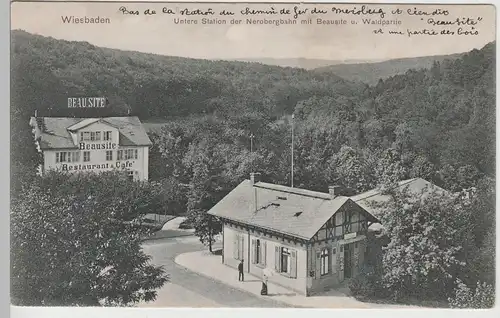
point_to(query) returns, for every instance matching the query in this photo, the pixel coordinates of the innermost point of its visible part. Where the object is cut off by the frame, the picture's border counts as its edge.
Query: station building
(312, 240)
(92, 144)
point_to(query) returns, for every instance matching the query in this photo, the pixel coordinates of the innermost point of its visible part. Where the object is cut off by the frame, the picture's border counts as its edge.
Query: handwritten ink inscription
(390, 22)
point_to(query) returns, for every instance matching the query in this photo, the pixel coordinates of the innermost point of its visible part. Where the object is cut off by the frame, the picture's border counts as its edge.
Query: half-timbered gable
(347, 219)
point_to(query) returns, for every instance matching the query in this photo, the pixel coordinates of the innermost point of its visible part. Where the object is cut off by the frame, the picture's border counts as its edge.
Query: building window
(324, 261)
(285, 260)
(127, 154)
(119, 155)
(85, 136)
(109, 155)
(61, 157)
(131, 175)
(74, 156)
(98, 136)
(86, 156)
(107, 135)
(259, 249)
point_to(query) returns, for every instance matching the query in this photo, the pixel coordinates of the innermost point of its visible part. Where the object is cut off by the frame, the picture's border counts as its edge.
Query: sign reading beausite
(106, 166)
(87, 102)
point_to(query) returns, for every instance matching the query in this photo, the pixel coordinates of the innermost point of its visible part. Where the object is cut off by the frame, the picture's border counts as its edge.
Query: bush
(366, 284)
(482, 297)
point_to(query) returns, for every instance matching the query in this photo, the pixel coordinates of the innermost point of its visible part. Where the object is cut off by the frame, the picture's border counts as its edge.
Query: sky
(159, 34)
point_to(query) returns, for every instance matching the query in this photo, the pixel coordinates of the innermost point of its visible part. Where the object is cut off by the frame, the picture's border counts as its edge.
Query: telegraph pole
(251, 141)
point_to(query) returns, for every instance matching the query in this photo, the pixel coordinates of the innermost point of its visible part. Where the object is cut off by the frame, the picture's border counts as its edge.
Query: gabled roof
(55, 131)
(413, 186)
(83, 123)
(278, 208)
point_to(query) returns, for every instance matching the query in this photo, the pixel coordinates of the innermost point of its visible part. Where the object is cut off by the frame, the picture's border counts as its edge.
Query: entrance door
(347, 261)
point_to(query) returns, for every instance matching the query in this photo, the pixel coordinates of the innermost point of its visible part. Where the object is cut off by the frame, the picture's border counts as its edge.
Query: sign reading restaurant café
(93, 166)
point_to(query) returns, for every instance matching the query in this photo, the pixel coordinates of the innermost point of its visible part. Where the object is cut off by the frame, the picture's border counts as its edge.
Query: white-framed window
(259, 248)
(85, 136)
(127, 154)
(324, 262)
(107, 135)
(285, 260)
(86, 156)
(74, 156)
(67, 156)
(61, 156)
(109, 155)
(130, 175)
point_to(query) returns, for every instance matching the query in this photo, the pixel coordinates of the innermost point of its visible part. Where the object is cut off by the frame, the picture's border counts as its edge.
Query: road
(189, 289)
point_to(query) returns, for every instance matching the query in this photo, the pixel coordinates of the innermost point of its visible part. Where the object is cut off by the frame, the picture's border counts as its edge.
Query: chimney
(254, 177)
(36, 113)
(334, 191)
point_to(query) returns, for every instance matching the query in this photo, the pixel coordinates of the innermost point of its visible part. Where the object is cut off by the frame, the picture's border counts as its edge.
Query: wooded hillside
(370, 73)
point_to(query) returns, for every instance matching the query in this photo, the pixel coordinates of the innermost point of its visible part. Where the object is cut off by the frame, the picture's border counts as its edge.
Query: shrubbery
(482, 297)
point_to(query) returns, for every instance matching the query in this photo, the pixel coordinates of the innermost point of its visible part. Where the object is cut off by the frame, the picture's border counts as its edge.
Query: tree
(352, 172)
(427, 232)
(69, 249)
(390, 168)
(202, 197)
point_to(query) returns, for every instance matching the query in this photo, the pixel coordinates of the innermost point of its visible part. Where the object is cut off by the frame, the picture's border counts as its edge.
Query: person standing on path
(241, 276)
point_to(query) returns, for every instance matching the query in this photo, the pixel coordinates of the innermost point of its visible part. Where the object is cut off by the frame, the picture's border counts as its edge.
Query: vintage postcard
(296, 155)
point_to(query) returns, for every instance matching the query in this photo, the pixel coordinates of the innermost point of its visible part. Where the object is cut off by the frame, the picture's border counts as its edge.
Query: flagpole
(293, 116)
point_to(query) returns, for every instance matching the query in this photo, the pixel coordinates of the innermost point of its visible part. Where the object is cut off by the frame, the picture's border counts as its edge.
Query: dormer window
(85, 136)
(107, 135)
(95, 136)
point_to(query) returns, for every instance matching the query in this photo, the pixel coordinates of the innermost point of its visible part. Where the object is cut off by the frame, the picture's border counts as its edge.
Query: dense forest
(437, 123)
(370, 73)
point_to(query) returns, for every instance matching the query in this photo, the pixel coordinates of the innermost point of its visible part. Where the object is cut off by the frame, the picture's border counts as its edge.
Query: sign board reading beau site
(87, 102)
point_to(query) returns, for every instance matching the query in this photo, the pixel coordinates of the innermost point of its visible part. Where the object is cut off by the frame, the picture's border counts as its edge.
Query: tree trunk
(210, 234)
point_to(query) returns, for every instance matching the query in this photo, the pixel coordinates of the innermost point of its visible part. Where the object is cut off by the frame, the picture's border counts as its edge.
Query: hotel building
(92, 144)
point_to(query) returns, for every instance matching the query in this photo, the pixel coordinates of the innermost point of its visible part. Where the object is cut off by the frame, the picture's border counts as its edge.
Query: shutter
(293, 264)
(236, 247)
(329, 251)
(254, 251)
(264, 253)
(242, 247)
(277, 258)
(318, 265)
